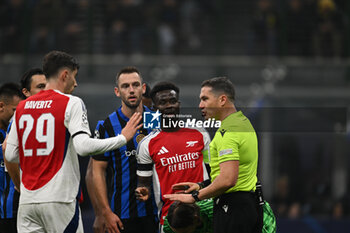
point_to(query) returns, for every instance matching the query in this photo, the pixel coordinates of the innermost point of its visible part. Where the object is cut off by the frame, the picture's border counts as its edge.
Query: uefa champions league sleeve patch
(84, 118)
(97, 134)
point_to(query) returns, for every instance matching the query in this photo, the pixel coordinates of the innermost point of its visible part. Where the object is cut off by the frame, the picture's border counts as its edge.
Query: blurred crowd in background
(306, 170)
(318, 28)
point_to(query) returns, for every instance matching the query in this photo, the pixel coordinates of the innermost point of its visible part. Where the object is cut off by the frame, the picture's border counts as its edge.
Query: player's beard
(132, 105)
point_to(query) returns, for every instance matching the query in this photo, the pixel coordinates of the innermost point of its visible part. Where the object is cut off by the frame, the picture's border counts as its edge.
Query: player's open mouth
(132, 98)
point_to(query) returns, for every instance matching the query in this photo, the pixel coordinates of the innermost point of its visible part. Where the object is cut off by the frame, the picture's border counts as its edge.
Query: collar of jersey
(3, 132)
(125, 118)
(229, 118)
(121, 114)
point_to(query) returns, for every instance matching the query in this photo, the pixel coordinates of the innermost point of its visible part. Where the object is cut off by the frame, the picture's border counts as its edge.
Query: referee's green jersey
(206, 212)
(236, 140)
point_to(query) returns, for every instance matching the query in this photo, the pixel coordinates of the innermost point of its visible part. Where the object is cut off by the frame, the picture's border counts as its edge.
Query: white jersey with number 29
(43, 129)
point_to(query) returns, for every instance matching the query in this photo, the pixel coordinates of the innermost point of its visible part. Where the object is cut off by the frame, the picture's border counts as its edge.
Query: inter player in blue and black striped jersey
(32, 82)
(10, 95)
(114, 201)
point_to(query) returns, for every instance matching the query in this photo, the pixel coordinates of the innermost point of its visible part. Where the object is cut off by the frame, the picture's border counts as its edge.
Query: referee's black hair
(10, 90)
(26, 79)
(162, 86)
(221, 85)
(182, 215)
(56, 60)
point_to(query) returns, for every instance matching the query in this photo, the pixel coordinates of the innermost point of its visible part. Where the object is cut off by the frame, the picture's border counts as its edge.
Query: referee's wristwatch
(195, 195)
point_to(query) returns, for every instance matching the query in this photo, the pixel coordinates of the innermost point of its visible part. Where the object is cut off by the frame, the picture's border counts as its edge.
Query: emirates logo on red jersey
(179, 158)
(180, 162)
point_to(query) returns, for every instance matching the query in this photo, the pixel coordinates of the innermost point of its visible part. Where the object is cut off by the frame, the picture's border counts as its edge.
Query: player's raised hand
(132, 126)
(142, 193)
(185, 187)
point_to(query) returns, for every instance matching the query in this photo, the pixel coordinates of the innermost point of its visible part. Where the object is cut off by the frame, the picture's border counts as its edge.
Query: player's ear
(143, 88)
(116, 91)
(2, 106)
(63, 75)
(222, 100)
(25, 92)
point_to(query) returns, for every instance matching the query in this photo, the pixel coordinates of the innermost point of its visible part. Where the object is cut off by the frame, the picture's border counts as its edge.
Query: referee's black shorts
(148, 224)
(237, 212)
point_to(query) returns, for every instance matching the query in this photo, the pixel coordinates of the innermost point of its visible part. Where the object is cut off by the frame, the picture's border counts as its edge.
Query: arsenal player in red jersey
(170, 155)
(48, 131)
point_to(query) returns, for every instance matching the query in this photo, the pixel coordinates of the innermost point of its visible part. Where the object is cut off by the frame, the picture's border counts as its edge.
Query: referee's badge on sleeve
(225, 152)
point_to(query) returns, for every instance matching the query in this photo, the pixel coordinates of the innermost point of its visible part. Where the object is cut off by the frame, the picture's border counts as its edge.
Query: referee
(233, 162)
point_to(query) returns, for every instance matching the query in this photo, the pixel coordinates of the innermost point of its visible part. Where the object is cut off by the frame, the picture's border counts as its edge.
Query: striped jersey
(2, 169)
(9, 199)
(10, 196)
(121, 169)
(170, 158)
(43, 128)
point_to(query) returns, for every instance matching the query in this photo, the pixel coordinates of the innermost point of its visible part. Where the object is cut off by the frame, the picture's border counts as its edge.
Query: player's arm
(188, 187)
(78, 126)
(13, 170)
(228, 157)
(99, 223)
(11, 151)
(99, 187)
(84, 145)
(144, 170)
(143, 189)
(225, 180)
(11, 155)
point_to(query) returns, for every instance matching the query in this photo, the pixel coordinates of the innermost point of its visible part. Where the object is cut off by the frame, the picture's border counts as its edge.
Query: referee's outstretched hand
(185, 187)
(132, 126)
(185, 198)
